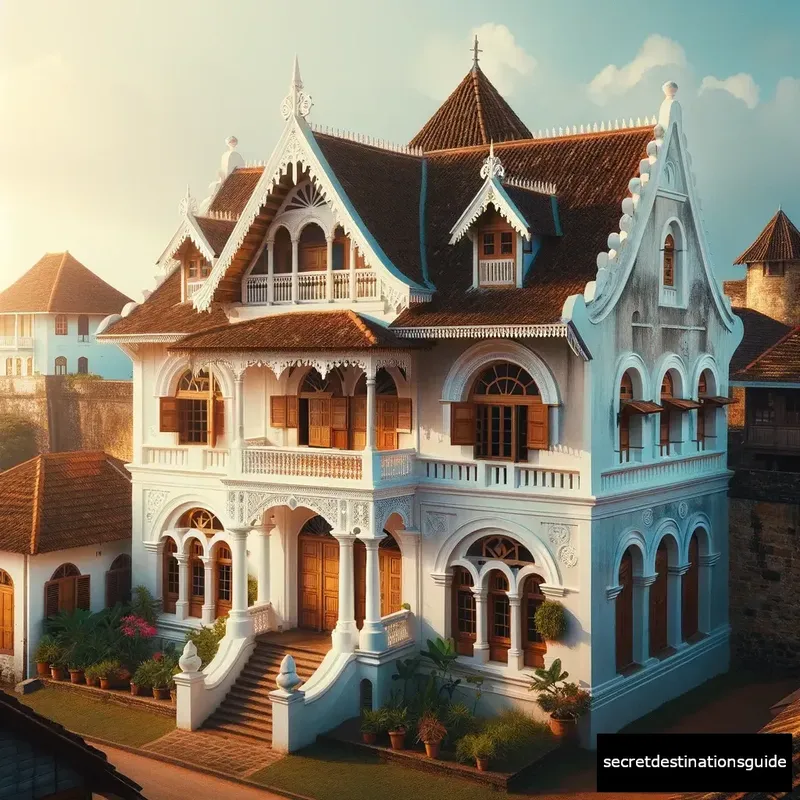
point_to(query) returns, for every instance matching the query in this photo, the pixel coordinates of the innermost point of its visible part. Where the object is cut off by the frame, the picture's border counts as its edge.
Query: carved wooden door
(360, 578)
(387, 423)
(330, 584)
(310, 583)
(319, 422)
(391, 564)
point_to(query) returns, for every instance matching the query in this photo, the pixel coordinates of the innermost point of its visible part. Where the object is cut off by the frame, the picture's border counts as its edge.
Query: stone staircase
(246, 710)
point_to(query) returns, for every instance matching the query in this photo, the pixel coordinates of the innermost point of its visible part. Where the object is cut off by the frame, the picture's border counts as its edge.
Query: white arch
(667, 362)
(706, 362)
(667, 527)
(292, 503)
(171, 370)
(635, 363)
(634, 537)
(170, 515)
(525, 573)
(705, 541)
(500, 566)
(469, 567)
(193, 533)
(176, 537)
(481, 355)
(220, 537)
(456, 545)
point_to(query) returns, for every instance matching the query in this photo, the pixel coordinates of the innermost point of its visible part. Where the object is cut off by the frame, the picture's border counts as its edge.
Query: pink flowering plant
(135, 643)
(133, 626)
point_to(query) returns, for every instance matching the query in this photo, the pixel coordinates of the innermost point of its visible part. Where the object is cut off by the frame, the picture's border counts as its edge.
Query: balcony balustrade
(16, 342)
(780, 437)
(192, 287)
(635, 476)
(497, 272)
(312, 287)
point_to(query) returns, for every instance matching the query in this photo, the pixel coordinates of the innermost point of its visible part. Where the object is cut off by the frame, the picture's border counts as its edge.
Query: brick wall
(765, 569)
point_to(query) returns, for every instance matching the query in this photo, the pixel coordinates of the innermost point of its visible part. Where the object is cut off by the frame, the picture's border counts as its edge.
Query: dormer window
(497, 245)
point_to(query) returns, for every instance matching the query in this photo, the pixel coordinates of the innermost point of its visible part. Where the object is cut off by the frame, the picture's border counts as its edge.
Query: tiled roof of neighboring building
(475, 113)
(302, 330)
(778, 364)
(779, 241)
(234, 193)
(67, 748)
(216, 231)
(760, 333)
(59, 284)
(737, 291)
(60, 500)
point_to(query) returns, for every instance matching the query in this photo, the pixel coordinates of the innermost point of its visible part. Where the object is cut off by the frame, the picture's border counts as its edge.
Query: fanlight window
(315, 383)
(202, 520)
(65, 571)
(506, 379)
(197, 412)
(501, 548)
(317, 526)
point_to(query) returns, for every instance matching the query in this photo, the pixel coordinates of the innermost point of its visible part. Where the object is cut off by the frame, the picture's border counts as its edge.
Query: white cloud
(445, 60)
(657, 51)
(787, 93)
(741, 86)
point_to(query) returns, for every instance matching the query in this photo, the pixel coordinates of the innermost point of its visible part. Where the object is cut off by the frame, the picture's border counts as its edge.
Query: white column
(352, 263)
(515, 659)
(675, 604)
(16, 330)
(263, 562)
(370, 412)
(237, 443)
(641, 617)
(240, 625)
(155, 561)
(209, 605)
(270, 272)
(373, 635)
(295, 263)
(182, 603)
(481, 648)
(345, 635)
(329, 271)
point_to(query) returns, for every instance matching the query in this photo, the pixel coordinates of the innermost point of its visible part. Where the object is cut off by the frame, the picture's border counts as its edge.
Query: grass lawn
(97, 718)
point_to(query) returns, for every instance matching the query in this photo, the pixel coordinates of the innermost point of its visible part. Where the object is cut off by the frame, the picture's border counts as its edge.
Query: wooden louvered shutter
(83, 594)
(339, 408)
(404, 415)
(462, 423)
(216, 420)
(112, 588)
(387, 423)
(319, 422)
(277, 411)
(292, 411)
(358, 414)
(538, 429)
(7, 619)
(52, 598)
(168, 415)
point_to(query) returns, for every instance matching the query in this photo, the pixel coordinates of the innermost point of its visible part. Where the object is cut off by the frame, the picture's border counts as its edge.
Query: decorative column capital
(709, 559)
(442, 578)
(371, 541)
(238, 534)
(644, 580)
(345, 539)
(182, 559)
(678, 569)
(513, 599)
(548, 590)
(208, 561)
(480, 594)
(613, 592)
(154, 547)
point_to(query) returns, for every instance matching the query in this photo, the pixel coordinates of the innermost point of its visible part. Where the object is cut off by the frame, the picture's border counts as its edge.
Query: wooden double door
(318, 581)
(341, 422)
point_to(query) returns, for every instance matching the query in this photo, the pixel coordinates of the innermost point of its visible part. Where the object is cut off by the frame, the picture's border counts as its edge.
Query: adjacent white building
(49, 318)
(416, 390)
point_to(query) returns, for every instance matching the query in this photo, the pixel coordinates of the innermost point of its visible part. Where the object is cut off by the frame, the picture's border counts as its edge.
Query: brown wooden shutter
(292, 411)
(277, 411)
(319, 422)
(387, 423)
(83, 593)
(216, 420)
(462, 423)
(112, 588)
(7, 620)
(339, 417)
(52, 599)
(168, 415)
(404, 415)
(358, 418)
(538, 429)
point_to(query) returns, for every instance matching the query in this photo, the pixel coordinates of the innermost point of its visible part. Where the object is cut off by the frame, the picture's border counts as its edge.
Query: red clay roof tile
(779, 363)
(233, 195)
(779, 241)
(216, 231)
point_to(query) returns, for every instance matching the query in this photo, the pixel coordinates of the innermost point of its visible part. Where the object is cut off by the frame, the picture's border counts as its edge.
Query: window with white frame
(671, 268)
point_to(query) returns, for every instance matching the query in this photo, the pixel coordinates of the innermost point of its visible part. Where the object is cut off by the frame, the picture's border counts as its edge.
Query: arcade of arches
(656, 614)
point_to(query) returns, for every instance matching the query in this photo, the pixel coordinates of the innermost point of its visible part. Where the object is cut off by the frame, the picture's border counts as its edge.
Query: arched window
(282, 253)
(625, 397)
(464, 624)
(322, 411)
(392, 413)
(659, 594)
(501, 548)
(83, 365)
(83, 328)
(197, 412)
(312, 249)
(118, 581)
(223, 565)
(201, 520)
(498, 609)
(61, 365)
(665, 429)
(505, 417)
(6, 614)
(197, 579)
(690, 591)
(29, 366)
(171, 588)
(534, 645)
(624, 613)
(9, 366)
(668, 268)
(61, 325)
(67, 590)
(18, 366)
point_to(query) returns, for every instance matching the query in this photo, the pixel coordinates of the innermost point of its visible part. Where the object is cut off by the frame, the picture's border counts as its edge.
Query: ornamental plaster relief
(559, 534)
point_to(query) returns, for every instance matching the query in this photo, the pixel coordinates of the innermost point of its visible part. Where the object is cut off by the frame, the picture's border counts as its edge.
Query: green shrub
(144, 605)
(47, 651)
(93, 672)
(17, 440)
(374, 721)
(430, 729)
(551, 620)
(459, 721)
(514, 732)
(396, 718)
(144, 675)
(252, 590)
(207, 640)
(476, 745)
(109, 669)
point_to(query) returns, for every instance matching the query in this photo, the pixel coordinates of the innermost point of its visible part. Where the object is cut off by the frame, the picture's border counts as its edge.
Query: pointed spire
(188, 205)
(475, 51)
(492, 167)
(297, 103)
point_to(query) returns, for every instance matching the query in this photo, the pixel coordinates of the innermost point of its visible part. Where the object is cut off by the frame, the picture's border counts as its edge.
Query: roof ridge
(126, 475)
(56, 280)
(788, 334)
(479, 105)
(362, 326)
(36, 517)
(366, 140)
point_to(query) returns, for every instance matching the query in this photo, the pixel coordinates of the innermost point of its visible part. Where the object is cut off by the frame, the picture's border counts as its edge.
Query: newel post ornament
(289, 728)
(191, 687)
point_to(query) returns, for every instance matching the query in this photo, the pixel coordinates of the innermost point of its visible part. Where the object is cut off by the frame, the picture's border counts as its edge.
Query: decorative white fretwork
(492, 166)
(306, 196)
(435, 524)
(567, 555)
(188, 204)
(560, 535)
(297, 103)
(154, 500)
(359, 515)
(683, 509)
(394, 505)
(557, 533)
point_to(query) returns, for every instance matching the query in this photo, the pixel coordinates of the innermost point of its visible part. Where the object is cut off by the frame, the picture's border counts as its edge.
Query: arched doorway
(624, 613)
(317, 576)
(67, 590)
(690, 590)
(197, 578)
(6, 614)
(322, 411)
(464, 621)
(392, 414)
(390, 564)
(171, 576)
(223, 580)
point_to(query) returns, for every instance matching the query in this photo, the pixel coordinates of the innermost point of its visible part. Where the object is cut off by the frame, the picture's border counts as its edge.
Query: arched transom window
(668, 277)
(202, 520)
(501, 548)
(197, 412)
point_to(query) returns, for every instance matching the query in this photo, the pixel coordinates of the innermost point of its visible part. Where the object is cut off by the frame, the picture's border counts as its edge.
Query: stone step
(241, 712)
(224, 717)
(240, 731)
(244, 695)
(270, 661)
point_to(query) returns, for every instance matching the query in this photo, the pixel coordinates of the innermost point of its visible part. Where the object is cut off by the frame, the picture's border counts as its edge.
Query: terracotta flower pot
(57, 673)
(432, 749)
(482, 764)
(398, 739)
(90, 681)
(42, 669)
(76, 676)
(369, 737)
(105, 683)
(161, 693)
(135, 689)
(173, 695)
(563, 728)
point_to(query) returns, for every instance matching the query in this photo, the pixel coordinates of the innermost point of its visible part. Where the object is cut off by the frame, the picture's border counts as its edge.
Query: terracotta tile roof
(233, 195)
(61, 500)
(163, 312)
(779, 241)
(779, 363)
(591, 173)
(216, 231)
(384, 187)
(737, 291)
(59, 284)
(302, 330)
(475, 113)
(760, 333)
(538, 210)
(68, 748)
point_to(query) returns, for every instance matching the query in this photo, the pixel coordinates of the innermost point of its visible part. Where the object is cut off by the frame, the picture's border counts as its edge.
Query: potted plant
(76, 671)
(107, 673)
(550, 620)
(478, 747)
(397, 722)
(90, 675)
(372, 723)
(161, 681)
(564, 702)
(431, 732)
(142, 680)
(47, 651)
(58, 667)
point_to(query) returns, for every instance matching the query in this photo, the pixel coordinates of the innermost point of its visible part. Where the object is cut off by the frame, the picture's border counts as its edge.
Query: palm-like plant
(442, 653)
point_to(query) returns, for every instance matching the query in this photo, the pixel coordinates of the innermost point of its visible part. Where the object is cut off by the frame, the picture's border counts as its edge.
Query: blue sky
(108, 109)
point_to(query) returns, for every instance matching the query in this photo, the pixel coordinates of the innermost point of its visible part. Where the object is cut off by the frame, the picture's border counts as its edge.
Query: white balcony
(671, 470)
(192, 288)
(303, 462)
(497, 272)
(16, 342)
(312, 287)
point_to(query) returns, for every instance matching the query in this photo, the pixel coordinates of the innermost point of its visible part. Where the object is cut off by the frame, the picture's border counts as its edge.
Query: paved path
(162, 781)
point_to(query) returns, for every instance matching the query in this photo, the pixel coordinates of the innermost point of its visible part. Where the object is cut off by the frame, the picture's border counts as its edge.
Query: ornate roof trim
(140, 338)
(555, 330)
(189, 229)
(593, 127)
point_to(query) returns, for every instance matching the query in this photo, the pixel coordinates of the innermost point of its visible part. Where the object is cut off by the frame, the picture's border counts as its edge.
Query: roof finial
(492, 168)
(188, 204)
(475, 51)
(297, 103)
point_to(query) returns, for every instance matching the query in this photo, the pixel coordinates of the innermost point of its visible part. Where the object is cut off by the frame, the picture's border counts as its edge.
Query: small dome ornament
(670, 89)
(190, 662)
(297, 103)
(288, 679)
(492, 166)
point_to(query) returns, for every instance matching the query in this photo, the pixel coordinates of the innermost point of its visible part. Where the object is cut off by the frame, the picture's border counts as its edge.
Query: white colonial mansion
(416, 390)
